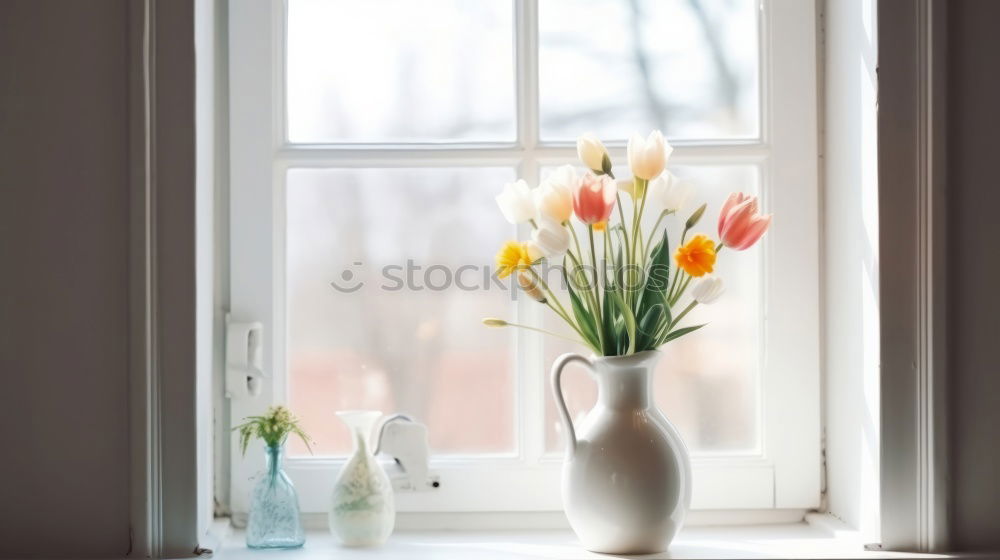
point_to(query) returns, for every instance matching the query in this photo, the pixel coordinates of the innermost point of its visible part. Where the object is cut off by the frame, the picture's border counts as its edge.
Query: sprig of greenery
(273, 428)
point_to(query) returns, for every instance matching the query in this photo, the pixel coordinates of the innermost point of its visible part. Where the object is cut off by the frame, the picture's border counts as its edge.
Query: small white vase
(363, 512)
(626, 481)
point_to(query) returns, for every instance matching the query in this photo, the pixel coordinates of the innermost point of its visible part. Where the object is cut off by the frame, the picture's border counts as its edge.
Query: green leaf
(673, 335)
(657, 277)
(649, 326)
(608, 323)
(620, 268)
(629, 319)
(583, 318)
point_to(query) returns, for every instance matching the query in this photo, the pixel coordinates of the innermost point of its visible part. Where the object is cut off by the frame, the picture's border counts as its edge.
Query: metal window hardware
(244, 359)
(406, 441)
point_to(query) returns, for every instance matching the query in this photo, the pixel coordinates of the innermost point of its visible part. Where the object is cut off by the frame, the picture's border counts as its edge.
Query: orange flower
(697, 257)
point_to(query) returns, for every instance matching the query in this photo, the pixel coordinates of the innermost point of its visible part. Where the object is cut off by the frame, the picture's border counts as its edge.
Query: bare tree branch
(726, 75)
(653, 104)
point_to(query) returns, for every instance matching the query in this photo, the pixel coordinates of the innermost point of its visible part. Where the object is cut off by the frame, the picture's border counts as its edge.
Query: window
(368, 134)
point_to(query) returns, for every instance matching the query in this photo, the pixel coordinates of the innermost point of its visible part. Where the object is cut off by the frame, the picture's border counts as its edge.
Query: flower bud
(740, 222)
(668, 193)
(516, 202)
(594, 198)
(593, 154)
(530, 286)
(551, 238)
(648, 158)
(554, 197)
(695, 216)
(707, 289)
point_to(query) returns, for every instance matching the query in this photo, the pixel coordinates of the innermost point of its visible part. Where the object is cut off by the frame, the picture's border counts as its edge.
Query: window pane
(400, 71)
(706, 382)
(407, 340)
(687, 67)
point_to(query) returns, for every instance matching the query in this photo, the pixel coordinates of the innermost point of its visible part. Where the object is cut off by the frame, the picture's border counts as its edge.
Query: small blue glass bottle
(274, 520)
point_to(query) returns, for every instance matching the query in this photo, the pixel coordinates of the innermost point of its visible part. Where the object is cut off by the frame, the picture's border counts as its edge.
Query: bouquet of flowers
(273, 428)
(628, 301)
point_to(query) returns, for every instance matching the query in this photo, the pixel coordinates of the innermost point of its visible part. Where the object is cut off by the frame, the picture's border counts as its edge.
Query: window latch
(244, 359)
(406, 441)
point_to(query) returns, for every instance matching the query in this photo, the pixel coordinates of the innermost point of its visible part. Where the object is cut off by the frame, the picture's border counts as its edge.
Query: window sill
(819, 537)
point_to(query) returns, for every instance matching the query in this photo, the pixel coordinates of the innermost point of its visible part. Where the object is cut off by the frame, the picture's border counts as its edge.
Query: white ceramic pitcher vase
(626, 482)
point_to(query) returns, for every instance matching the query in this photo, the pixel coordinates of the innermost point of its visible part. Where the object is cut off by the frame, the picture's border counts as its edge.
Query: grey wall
(973, 189)
(64, 461)
(72, 261)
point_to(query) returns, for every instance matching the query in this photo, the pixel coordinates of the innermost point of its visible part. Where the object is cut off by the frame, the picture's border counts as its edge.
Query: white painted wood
(162, 293)
(537, 520)
(791, 368)
(164, 390)
(513, 484)
(784, 473)
(914, 464)
(850, 265)
(209, 153)
(253, 67)
(820, 539)
(143, 513)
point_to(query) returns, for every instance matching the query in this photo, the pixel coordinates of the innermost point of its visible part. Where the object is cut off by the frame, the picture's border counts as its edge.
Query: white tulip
(554, 197)
(534, 251)
(648, 157)
(564, 176)
(669, 193)
(707, 289)
(593, 153)
(516, 202)
(551, 238)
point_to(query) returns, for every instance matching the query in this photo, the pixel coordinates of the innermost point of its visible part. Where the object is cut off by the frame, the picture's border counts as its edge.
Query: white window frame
(784, 474)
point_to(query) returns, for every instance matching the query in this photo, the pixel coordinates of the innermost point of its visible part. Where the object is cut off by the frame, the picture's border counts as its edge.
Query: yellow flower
(697, 257)
(513, 256)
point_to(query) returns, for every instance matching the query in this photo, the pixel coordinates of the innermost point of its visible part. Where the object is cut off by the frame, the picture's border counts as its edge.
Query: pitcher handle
(557, 393)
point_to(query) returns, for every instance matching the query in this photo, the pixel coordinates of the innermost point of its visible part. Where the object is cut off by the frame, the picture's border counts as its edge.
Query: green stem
(680, 290)
(553, 299)
(641, 249)
(589, 299)
(621, 216)
(550, 333)
(652, 232)
(576, 241)
(609, 257)
(593, 259)
(681, 315)
(637, 221)
(673, 284)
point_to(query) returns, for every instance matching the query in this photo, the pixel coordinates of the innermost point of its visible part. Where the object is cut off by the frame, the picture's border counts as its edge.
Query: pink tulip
(594, 198)
(740, 222)
(734, 199)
